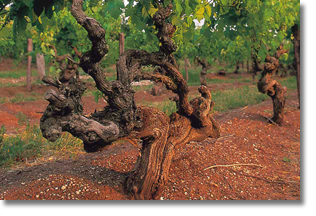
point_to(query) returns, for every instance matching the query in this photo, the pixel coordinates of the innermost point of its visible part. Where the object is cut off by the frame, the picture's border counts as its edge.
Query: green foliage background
(225, 30)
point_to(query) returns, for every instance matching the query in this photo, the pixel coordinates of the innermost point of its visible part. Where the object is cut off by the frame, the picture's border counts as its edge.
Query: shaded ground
(247, 138)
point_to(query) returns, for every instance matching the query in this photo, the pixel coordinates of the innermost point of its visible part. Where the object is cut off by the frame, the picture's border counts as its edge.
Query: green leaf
(152, 11)
(187, 36)
(97, 95)
(208, 10)
(138, 23)
(286, 159)
(38, 7)
(93, 3)
(188, 9)
(200, 14)
(175, 20)
(49, 11)
(114, 8)
(262, 53)
(20, 22)
(178, 8)
(28, 3)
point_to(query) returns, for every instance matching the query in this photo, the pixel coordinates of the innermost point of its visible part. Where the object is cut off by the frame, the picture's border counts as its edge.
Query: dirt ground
(268, 158)
(252, 160)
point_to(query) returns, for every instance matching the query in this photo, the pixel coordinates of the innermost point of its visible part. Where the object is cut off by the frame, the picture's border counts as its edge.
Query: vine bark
(267, 85)
(157, 133)
(297, 53)
(205, 67)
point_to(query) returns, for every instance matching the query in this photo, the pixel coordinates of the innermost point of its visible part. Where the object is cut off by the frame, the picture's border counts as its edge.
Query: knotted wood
(157, 133)
(267, 85)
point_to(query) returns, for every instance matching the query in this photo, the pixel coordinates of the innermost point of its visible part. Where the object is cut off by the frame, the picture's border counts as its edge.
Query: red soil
(273, 153)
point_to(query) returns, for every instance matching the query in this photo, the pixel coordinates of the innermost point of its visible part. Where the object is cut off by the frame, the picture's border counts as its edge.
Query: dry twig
(231, 165)
(222, 137)
(273, 122)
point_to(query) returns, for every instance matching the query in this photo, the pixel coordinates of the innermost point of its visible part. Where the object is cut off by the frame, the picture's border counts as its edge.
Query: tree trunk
(297, 39)
(122, 44)
(29, 65)
(254, 72)
(161, 138)
(253, 77)
(248, 66)
(284, 71)
(256, 67)
(40, 62)
(186, 68)
(205, 67)
(237, 68)
(143, 182)
(203, 76)
(278, 99)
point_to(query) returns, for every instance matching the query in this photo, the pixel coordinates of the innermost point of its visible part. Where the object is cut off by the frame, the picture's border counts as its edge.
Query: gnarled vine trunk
(186, 68)
(205, 67)
(121, 118)
(256, 67)
(237, 68)
(284, 71)
(267, 85)
(29, 65)
(297, 39)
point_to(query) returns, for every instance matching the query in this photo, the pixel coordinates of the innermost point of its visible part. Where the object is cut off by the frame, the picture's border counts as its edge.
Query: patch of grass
(23, 98)
(3, 100)
(245, 80)
(268, 111)
(240, 79)
(224, 100)
(194, 76)
(12, 84)
(286, 159)
(169, 107)
(22, 118)
(289, 82)
(111, 78)
(31, 145)
(111, 69)
(218, 81)
(90, 80)
(2, 132)
(238, 97)
(16, 74)
(166, 106)
(142, 87)
(36, 82)
(21, 83)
